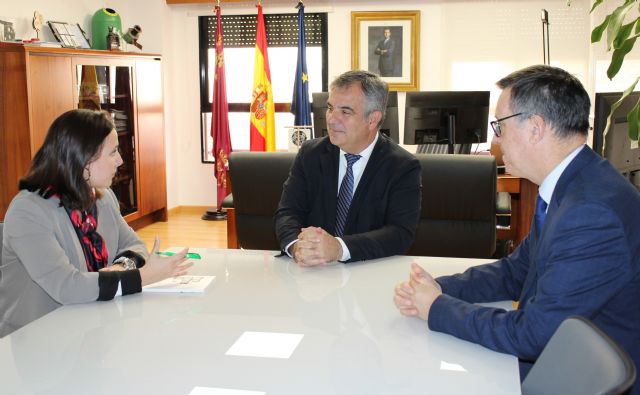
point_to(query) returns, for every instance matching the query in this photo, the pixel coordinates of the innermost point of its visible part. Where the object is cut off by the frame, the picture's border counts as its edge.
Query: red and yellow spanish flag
(263, 127)
(220, 118)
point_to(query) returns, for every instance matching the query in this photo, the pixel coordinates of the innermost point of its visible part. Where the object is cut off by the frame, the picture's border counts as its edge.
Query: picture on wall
(387, 43)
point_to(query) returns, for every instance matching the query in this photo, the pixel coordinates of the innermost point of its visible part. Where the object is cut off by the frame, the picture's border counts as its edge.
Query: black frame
(74, 31)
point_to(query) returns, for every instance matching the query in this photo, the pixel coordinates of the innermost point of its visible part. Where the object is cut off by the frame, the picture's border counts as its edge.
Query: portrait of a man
(385, 56)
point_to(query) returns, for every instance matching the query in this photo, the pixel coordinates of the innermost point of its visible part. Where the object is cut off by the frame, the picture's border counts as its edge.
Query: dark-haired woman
(64, 238)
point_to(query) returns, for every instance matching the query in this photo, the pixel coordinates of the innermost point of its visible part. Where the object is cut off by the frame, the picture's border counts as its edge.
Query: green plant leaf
(623, 34)
(615, 106)
(596, 34)
(618, 56)
(595, 4)
(633, 118)
(615, 22)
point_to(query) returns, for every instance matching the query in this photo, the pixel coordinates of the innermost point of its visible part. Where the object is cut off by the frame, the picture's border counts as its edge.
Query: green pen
(191, 255)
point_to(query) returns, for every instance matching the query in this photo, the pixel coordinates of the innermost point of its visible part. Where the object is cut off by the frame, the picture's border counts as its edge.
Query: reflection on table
(328, 330)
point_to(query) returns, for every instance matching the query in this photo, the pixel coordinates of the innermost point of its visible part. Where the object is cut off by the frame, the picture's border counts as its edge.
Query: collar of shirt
(549, 183)
(358, 167)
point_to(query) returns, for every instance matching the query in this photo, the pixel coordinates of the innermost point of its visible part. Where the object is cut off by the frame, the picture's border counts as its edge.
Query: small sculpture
(113, 39)
(132, 35)
(37, 23)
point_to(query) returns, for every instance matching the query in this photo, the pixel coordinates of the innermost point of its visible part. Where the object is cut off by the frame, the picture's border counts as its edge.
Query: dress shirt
(358, 169)
(549, 183)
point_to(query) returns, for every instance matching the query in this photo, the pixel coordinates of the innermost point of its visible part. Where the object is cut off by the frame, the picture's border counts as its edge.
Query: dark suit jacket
(384, 212)
(385, 62)
(585, 261)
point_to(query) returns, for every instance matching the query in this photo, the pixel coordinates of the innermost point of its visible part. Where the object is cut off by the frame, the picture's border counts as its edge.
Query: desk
(523, 202)
(354, 340)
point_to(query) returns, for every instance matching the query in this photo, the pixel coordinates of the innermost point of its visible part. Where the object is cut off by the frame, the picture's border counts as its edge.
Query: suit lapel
(329, 161)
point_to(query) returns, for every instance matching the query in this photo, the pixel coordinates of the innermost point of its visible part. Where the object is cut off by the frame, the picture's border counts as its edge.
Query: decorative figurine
(113, 39)
(37, 23)
(133, 35)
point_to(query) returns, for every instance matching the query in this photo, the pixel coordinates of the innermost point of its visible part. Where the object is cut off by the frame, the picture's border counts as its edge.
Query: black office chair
(256, 179)
(580, 359)
(458, 216)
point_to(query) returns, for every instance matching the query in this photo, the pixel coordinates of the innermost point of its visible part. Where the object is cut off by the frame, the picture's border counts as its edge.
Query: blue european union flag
(300, 103)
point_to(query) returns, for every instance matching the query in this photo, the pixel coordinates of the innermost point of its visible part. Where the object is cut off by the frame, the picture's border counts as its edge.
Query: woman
(64, 238)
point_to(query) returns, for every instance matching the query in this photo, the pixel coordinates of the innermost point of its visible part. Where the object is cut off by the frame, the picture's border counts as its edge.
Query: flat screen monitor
(446, 118)
(389, 127)
(616, 147)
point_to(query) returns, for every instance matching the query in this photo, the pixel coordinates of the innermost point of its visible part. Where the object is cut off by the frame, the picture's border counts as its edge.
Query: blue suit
(585, 261)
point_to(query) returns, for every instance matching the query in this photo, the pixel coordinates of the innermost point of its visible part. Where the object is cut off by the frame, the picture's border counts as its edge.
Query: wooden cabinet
(39, 84)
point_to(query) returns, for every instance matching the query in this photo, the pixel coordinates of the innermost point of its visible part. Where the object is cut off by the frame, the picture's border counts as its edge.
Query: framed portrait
(387, 43)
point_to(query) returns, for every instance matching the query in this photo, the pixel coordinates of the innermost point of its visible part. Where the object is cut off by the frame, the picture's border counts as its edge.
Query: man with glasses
(582, 255)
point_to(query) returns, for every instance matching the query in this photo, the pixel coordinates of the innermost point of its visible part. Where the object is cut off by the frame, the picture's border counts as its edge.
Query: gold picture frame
(388, 43)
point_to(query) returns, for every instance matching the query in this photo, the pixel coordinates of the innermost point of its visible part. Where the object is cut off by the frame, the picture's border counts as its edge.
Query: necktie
(345, 194)
(541, 211)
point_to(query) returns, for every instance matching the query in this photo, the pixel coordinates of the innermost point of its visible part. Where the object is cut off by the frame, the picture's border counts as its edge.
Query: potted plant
(621, 37)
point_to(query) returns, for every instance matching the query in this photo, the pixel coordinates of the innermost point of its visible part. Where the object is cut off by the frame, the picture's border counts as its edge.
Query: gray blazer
(43, 266)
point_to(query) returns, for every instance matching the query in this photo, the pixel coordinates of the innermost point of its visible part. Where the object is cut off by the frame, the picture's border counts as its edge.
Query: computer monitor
(389, 127)
(616, 147)
(446, 118)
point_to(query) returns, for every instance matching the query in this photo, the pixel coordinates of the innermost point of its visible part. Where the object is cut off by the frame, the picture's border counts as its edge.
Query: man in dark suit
(582, 255)
(355, 194)
(385, 49)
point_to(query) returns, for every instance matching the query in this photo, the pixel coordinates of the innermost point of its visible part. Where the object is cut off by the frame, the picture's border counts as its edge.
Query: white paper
(265, 345)
(186, 284)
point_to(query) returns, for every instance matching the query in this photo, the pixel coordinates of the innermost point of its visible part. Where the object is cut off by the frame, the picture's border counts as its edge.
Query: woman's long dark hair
(72, 141)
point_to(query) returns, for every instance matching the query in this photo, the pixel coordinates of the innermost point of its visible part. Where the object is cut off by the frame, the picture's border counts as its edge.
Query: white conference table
(353, 340)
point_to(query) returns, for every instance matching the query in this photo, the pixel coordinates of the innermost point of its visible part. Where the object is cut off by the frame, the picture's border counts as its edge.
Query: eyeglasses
(495, 125)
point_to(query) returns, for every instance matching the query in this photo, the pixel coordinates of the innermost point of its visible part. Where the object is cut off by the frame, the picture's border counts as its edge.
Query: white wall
(463, 45)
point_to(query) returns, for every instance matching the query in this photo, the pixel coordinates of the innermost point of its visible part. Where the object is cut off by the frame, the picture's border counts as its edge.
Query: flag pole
(220, 126)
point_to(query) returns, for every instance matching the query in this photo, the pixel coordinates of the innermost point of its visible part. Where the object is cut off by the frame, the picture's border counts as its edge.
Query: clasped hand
(315, 247)
(415, 297)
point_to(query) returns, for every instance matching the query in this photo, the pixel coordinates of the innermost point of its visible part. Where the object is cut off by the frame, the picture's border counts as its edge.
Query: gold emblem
(258, 103)
(222, 165)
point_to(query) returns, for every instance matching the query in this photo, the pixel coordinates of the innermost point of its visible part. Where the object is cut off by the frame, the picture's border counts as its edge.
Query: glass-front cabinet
(110, 89)
(43, 83)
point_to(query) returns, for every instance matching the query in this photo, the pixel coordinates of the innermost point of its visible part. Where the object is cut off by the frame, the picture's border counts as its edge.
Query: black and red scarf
(85, 224)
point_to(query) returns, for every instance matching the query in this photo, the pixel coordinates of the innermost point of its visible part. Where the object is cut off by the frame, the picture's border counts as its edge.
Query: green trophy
(102, 20)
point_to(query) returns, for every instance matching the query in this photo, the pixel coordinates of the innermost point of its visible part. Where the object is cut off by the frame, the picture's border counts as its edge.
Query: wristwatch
(127, 263)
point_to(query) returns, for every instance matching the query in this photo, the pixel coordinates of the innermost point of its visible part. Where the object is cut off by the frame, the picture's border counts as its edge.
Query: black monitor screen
(389, 127)
(440, 117)
(623, 153)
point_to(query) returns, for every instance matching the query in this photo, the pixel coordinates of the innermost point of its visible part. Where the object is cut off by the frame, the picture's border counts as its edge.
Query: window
(239, 33)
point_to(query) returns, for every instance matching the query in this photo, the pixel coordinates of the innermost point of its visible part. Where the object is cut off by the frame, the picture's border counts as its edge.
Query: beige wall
(464, 45)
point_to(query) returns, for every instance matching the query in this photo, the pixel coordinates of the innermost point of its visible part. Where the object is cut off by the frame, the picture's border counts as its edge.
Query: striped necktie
(345, 194)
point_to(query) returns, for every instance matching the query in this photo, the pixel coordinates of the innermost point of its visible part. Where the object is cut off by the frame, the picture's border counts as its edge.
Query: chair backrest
(458, 216)
(580, 359)
(256, 179)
